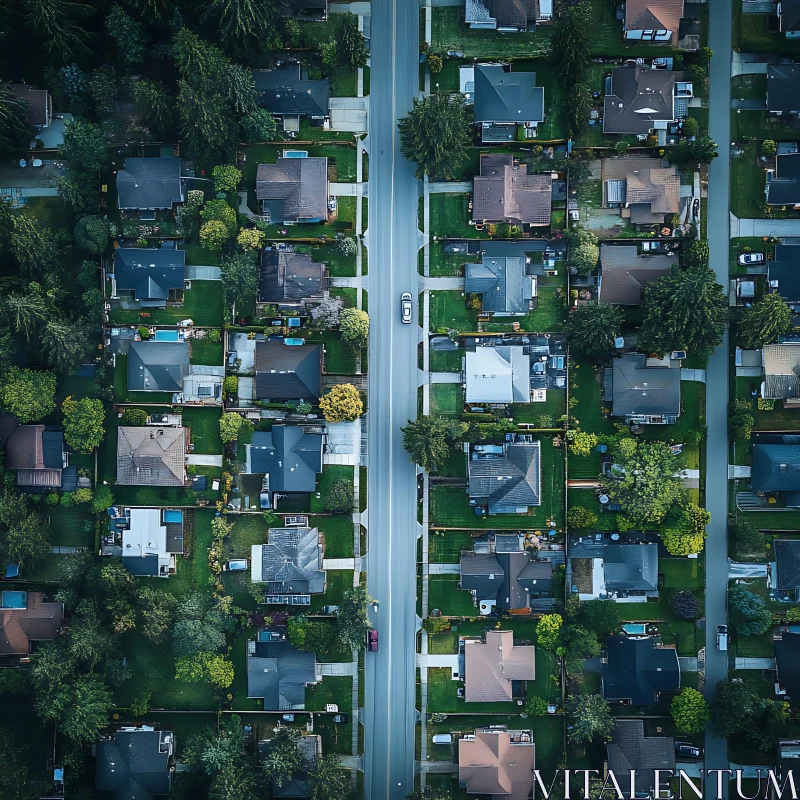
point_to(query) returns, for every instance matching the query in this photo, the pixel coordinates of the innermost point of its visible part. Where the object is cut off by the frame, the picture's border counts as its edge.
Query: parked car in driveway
(372, 640)
(688, 750)
(746, 259)
(236, 565)
(405, 307)
(341, 718)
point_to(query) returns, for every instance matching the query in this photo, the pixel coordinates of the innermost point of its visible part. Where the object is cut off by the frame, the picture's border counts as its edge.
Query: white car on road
(405, 307)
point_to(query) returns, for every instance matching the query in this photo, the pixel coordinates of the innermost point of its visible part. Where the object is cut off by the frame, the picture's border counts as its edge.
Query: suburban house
(644, 391)
(636, 670)
(39, 456)
(639, 100)
(505, 288)
(788, 757)
(789, 18)
(502, 575)
(783, 273)
(497, 762)
(624, 273)
(787, 662)
(776, 467)
(785, 574)
(629, 749)
(493, 665)
(161, 366)
(781, 364)
(152, 276)
(147, 539)
(627, 573)
(290, 279)
(135, 763)
(296, 788)
(151, 456)
(505, 99)
(278, 674)
(304, 10)
(40, 105)
(293, 190)
(25, 619)
(644, 191)
(655, 21)
(505, 192)
(148, 185)
(289, 457)
(507, 16)
(784, 188)
(290, 564)
(505, 479)
(288, 372)
(783, 89)
(498, 375)
(288, 95)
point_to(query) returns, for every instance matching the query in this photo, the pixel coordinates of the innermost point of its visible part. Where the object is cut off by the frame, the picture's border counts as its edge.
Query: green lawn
(202, 304)
(749, 87)
(447, 399)
(779, 419)
(748, 180)
(443, 264)
(204, 423)
(339, 266)
(751, 34)
(444, 595)
(330, 474)
(198, 256)
(338, 534)
(206, 352)
(749, 124)
(445, 547)
(449, 217)
(70, 527)
(448, 310)
(555, 406)
(331, 689)
(446, 360)
(336, 581)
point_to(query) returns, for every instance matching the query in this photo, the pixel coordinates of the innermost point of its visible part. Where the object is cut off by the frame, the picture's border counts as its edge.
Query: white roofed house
(498, 375)
(147, 539)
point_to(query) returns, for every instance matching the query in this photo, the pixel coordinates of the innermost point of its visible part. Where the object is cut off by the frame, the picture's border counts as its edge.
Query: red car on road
(372, 640)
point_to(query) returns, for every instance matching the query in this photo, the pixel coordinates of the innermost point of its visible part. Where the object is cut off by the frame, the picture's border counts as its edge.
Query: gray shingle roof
(781, 370)
(289, 277)
(639, 97)
(629, 749)
(284, 92)
(776, 468)
(290, 562)
(298, 187)
(784, 188)
(624, 273)
(631, 566)
(638, 389)
(291, 458)
(638, 671)
(286, 372)
(150, 456)
(507, 482)
(787, 556)
(296, 788)
(149, 273)
(505, 96)
(503, 284)
(133, 765)
(783, 87)
(507, 578)
(785, 269)
(149, 183)
(505, 192)
(157, 366)
(278, 674)
(790, 15)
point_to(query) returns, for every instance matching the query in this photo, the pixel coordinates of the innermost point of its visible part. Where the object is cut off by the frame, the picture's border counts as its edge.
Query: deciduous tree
(83, 423)
(589, 718)
(748, 612)
(84, 147)
(430, 440)
(690, 711)
(327, 780)
(599, 616)
(342, 404)
(283, 758)
(351, 46)
(548, 631)
(260, 126)
(685, 606)
(765, 321)
(581, 442)
(226, 177)
(326, 314)
(210, 668)
(229, 426)
(240, 278)
(354, 326)
(250, 239)
(27, 394)
(579, 644)
(693, 153)
(684, 531)
(353, 617)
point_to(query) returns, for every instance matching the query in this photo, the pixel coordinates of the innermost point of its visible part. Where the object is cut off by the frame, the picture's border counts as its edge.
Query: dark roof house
(639, 99)
(505, 192)
(40, 105)
(653, 20)
(630, 568)
(781, 365)
(789, 17)
(786, 568)
(497, 763)
(296, 788)
(25, 617)
(294, 190)
(504, 99)
(787, 661)
(290, 563)
(638, 670)
(136, 764)
(157, 366)
(502, 15)
(289, 456)
(149, 184)
(645, 192)
(775, 468)
(624, 273)
(278, 674)
(285, 372)
(643, 394)
(784, 188)
(629, 749)
(506, 479)
(39, 456)
(151, 276)
(290, 278)
(287, 94)
(151, 456)
(503, 285)
(783, 272)
(783, 88)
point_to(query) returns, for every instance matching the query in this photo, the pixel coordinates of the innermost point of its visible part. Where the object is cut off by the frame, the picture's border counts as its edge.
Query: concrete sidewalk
(443, 284)
(764, 227)
(444, 569)
(339, 668)
(448, 187)
(204, 460)
(445, 377)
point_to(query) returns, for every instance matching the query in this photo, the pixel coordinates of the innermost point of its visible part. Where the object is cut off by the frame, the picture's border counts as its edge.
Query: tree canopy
(690, 711)
(765, 321)
(83, 423)
(589, 718)
(342, 403)
(748, 612)
(431, 440)
(27, 394)
(592, 329)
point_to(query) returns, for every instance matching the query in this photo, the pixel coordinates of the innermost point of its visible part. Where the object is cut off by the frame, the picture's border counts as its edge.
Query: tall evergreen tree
(14, 131)
(54, 20)
(591, 330)
(765, 321)
(245, 26)
(572, 39)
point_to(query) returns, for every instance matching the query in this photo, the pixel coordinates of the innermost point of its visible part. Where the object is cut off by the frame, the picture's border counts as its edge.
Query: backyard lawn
(446, 360)
(448, 310)
(202, 304)
(331, 473)
(204, 351)
(204, 424)
(447, 399)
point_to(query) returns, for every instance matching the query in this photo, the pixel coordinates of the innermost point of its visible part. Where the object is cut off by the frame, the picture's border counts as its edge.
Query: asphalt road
(716, 750)
(389, 709)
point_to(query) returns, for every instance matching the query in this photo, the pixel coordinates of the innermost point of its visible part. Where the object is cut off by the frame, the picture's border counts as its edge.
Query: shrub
(135, 417)
(51, 499)
(226, 177)
(230, 386)
(536, 706)
(579, 517)
(250, 239)
(215, 336)
(436, 624)
(229, 426)
(102, 499)
(143, 331)
(82, 495)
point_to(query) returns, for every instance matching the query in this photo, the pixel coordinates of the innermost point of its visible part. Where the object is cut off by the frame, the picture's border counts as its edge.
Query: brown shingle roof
(37, 622)
(491, 665)
(650, 190)
(150, 456)
(301, 183)
(495, 762)
(641, 15)
(624, 274)
(504, 192)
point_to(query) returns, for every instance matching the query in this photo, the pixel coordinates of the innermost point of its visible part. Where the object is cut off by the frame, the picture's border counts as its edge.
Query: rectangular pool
(295, 154)
(166, 336)
(635, 628)
(10, 599)
(171, 515)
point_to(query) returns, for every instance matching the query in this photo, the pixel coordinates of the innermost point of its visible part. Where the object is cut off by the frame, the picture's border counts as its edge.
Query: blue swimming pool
(166, 336)
(635, 628)
(295, 154)
(170, 515)
(9, 599)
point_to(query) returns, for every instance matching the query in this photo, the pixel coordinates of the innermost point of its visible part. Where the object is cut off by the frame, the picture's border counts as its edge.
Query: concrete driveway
(764, 227)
